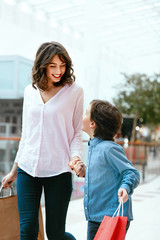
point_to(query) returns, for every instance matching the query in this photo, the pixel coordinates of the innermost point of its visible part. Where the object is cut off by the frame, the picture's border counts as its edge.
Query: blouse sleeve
(23, 133)
(76, 143)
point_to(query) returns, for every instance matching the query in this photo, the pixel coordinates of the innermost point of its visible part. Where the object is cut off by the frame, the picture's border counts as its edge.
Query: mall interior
(105, 40)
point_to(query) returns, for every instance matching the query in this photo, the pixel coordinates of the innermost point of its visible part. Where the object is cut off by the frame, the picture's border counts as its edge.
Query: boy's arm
(130, 175)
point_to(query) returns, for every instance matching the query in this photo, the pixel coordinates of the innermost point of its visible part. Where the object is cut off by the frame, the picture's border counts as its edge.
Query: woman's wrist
(14, 169)
(75, 158)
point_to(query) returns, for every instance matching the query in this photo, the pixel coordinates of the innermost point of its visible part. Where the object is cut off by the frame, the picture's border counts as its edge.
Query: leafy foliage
(140, 95)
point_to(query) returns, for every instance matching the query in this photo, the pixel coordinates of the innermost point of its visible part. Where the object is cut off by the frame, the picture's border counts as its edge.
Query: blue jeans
(93, 227)
(57, 191)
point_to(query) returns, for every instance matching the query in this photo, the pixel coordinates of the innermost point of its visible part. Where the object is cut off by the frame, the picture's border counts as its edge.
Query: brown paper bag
(9, 219)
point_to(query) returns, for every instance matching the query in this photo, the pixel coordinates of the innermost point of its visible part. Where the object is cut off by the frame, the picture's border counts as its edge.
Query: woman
(51, 137)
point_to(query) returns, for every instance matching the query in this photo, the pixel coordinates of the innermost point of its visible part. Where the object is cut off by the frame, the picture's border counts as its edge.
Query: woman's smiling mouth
(57, 75)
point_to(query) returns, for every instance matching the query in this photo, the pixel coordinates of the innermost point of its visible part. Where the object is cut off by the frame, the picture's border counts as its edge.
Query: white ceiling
(130, 28)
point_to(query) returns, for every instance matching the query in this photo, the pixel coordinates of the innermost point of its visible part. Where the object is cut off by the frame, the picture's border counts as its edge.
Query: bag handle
(117, 212)
(11, 191)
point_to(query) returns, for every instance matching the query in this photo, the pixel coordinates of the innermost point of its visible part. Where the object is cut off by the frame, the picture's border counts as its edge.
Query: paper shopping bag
(9, 219)
(112, 228)
(120, 230)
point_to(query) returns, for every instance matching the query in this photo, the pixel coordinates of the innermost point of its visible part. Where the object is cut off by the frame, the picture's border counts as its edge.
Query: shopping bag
(112, 228)
(9, 219)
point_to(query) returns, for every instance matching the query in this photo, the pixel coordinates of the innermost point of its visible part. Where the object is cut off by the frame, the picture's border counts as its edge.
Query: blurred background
(115, 49)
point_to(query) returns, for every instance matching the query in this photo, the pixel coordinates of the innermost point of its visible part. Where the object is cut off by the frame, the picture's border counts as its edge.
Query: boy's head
(102, 120)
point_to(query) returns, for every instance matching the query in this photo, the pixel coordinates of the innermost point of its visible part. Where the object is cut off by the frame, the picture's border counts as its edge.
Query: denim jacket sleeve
(119, 162)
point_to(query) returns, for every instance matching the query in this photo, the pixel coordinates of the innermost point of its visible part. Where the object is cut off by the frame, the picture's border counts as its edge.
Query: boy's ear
(92, 124)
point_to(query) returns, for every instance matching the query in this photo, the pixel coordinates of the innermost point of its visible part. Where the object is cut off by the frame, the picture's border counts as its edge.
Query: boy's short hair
(107, 117)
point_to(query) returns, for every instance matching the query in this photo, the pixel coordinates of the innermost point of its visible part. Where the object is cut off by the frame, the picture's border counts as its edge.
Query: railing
(145, 157)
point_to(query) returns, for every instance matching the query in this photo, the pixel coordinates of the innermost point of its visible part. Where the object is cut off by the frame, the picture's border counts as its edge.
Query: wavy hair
(107, 117)
(43, 57)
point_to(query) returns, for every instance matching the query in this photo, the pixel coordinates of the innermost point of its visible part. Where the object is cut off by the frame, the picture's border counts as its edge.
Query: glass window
(6, 75)
(2, 129)
(24, 75)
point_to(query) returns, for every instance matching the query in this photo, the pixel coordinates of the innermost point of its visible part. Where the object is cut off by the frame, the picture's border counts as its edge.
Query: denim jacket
(108, 169)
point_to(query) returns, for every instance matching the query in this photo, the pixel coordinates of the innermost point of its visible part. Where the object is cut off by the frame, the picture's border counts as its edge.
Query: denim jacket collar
(94, 141)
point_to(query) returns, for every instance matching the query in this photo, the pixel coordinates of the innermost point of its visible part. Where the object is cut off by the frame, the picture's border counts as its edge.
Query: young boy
(109, 175)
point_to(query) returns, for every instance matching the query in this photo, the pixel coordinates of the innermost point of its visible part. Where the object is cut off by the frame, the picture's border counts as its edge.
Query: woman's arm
(76, 143)
(11, 177)
(24, 125)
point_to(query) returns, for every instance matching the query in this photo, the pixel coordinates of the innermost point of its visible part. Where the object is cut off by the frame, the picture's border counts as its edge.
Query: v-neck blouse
(51, 97)
(51, 131)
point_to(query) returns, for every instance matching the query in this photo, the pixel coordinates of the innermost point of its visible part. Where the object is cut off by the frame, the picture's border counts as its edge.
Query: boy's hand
(80, 169)
(122, 195)
(78, 166)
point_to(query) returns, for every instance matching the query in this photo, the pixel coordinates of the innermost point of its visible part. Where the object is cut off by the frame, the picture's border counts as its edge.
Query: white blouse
(51, 131)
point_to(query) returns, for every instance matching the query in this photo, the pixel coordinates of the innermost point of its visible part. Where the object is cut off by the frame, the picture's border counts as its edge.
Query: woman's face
(55, 70)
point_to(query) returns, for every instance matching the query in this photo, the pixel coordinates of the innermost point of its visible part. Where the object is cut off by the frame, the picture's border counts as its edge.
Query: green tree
(140, 95)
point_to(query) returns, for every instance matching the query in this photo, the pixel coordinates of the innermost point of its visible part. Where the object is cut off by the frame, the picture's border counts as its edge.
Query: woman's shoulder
(30, 88)
(75, 90)
(76, 87)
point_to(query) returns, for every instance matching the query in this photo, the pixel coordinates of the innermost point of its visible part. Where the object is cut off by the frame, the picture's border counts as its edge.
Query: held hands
(78, 166)
(122, 195)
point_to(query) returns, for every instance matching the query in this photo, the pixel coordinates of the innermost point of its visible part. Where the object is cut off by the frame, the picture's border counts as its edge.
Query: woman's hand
(73, 162)
(122, 195)
(11, 177)
(78, 166)
(8, 180)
